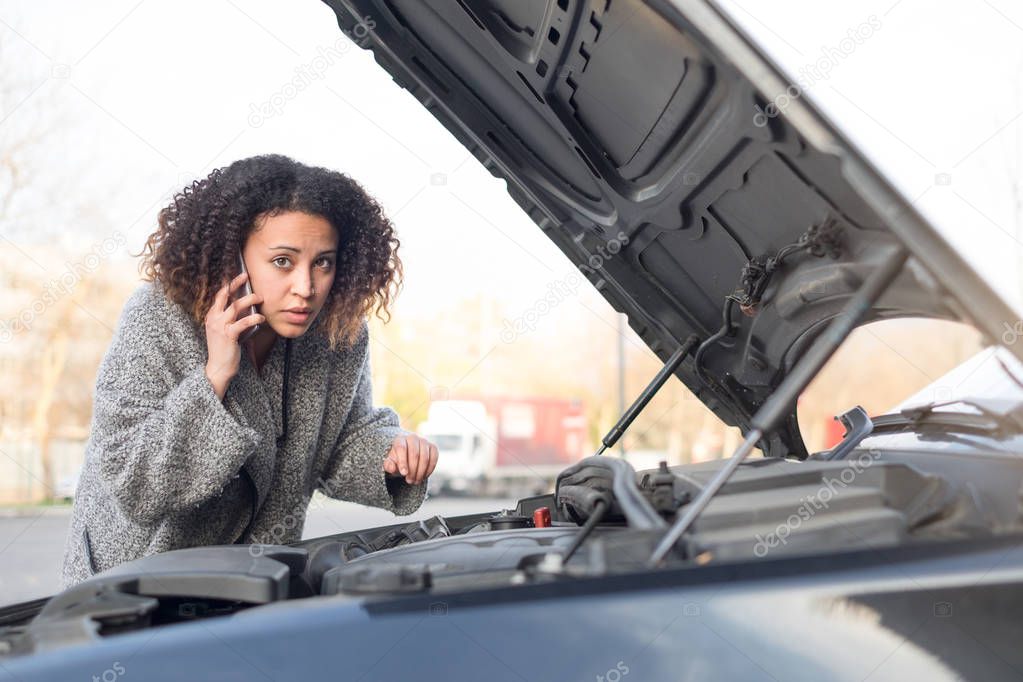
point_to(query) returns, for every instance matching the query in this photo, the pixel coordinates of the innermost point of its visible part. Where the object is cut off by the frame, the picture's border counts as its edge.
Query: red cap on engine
(542, 517)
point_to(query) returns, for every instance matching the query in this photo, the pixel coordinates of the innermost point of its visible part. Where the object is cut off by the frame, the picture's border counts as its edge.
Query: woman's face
(291, 259)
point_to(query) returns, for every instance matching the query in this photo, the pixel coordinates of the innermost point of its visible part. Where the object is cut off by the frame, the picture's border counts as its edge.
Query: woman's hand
(223, 327)
(411, 456)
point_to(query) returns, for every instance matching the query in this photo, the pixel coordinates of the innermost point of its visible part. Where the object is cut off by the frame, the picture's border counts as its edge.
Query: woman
(199, 438)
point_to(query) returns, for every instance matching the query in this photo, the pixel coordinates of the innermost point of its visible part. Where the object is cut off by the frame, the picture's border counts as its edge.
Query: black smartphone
(245, 291)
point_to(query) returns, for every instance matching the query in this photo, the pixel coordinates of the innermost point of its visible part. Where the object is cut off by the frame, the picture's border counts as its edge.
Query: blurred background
(107, 110)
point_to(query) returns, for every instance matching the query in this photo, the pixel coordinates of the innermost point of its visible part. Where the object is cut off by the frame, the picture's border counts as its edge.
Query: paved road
(32, 542)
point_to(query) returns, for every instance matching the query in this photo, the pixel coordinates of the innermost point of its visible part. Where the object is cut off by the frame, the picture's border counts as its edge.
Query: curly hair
(193, 251)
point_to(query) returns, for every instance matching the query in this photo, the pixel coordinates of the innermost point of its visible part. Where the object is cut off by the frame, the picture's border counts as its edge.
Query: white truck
(499, 446)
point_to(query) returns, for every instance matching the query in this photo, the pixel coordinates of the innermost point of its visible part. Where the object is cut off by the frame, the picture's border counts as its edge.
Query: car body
(634, 135)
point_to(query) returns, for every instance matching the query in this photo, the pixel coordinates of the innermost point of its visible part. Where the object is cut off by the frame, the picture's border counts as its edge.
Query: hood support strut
(649, 392)
(779, 402)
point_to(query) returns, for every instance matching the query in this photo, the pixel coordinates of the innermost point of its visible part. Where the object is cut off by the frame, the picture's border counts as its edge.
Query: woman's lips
(297, 318)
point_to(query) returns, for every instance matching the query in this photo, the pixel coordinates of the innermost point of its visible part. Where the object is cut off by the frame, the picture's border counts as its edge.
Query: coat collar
(249, 398)
(256, 401)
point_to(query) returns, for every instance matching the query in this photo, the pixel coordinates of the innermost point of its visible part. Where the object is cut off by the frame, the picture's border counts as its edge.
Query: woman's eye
(325, 263)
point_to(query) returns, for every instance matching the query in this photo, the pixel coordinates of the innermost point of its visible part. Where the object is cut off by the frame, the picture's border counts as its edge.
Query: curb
(34, 512)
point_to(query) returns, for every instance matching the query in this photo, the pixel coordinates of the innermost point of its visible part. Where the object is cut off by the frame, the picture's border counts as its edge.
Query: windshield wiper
(993, 415)
(779, 403)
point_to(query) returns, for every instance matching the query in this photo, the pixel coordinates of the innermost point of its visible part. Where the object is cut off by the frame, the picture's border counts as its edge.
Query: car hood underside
(639, 137)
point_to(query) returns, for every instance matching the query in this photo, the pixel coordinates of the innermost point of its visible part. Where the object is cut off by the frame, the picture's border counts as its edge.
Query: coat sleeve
(164, 441)
(355, 468)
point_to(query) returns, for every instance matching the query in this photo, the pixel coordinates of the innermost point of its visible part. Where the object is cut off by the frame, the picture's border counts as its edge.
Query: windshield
(973, 403)
(993, 373)
(881, 366)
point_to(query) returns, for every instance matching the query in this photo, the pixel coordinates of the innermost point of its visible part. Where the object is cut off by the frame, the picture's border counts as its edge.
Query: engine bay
(770, 508)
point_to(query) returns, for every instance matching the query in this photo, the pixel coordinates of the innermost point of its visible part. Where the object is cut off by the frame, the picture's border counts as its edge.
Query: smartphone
(245, 291)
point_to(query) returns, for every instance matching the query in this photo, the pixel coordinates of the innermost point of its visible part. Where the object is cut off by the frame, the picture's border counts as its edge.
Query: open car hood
(639, 137)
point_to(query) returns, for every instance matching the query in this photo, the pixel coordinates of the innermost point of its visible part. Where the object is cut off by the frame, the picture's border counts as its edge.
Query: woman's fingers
(242, 304)
(238, 326)
(434, 456)
(235, 284)
(221, 302)
(400, 449)
(424, 460)
(413, 458)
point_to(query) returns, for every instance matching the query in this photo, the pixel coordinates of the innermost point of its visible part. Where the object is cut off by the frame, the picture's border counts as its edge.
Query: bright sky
(160, 92)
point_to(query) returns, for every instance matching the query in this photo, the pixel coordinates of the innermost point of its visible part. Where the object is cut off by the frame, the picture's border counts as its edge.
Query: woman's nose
(303, 286)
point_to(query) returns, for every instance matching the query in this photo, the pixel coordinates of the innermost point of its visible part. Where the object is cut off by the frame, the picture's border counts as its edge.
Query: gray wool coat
(163, 462)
